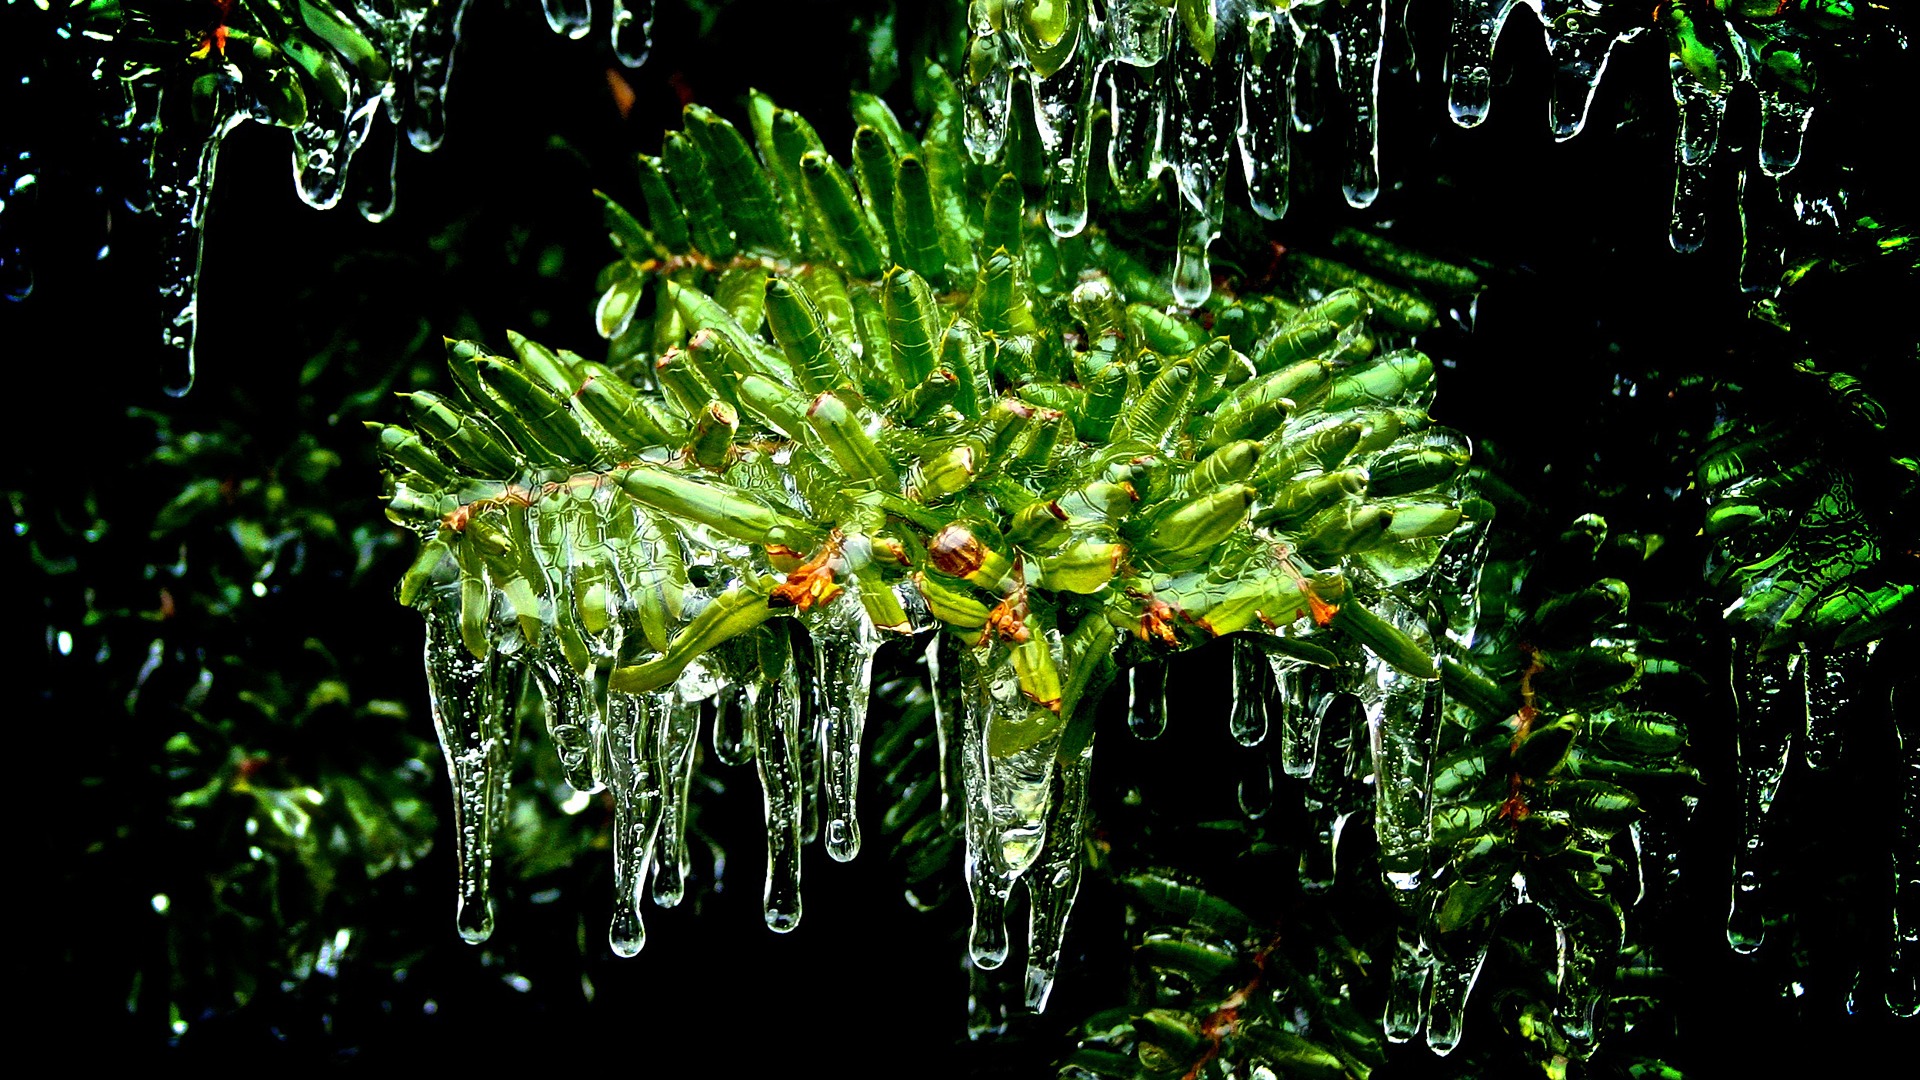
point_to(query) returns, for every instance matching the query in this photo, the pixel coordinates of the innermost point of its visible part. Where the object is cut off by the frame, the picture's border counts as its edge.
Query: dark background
(498, 229)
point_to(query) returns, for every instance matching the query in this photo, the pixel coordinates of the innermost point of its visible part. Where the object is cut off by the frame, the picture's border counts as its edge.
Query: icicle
(1054, 882)
(1770, 701)
(681, 734)
(988, 90)
(1137, 106)
(987, 882)
(326, 142)
(1247, 716)
(810, 767)
(1207, 102)
(1402, 712)
(1300, 715)
(431, 47)
(637, 728)
(1311, 59)
(1657, 838)
(377, 187)
(1330, 796)
(1009, 789)
(1701, 110)
(1457, 957)
(1199, 228)
(181, 198)
(1358, 30)
(1784, 115)
(1903, 963)
(1578, 48)
(1476, 25)
(1831, 680)
(773, 703)
(1579, 1004)
(843, 680)
(1762, 247)
(734, 740)
(1063, 114)
(1264, 153)
(571, 704)
(472, 701)
(633, 31)
(1147, 701)
(1406, 987)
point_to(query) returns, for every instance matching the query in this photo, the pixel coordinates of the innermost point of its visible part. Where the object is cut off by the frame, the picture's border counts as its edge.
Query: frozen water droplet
(1192, 273)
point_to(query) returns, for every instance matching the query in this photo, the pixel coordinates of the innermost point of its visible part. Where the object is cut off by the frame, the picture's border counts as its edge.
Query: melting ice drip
(1188, 87)
(341, 77)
